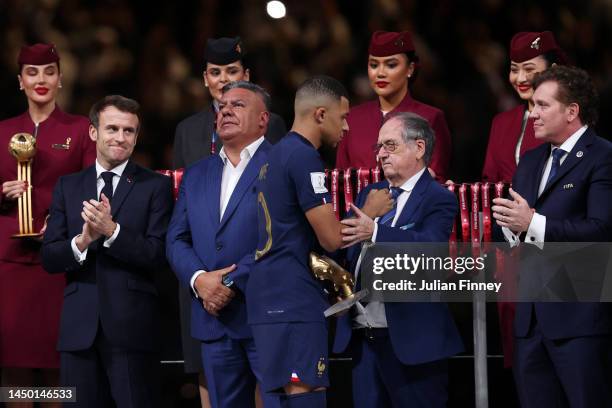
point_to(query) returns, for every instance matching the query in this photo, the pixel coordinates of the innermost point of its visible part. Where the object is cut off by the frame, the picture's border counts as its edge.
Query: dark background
(152, 52)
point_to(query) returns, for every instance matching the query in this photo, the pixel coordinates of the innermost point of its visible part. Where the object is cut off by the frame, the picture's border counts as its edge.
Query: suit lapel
(572, 159)
(126, 182)
(416, 196)
(245, 182)
(533, 183)
(90, 185)
(213, 188)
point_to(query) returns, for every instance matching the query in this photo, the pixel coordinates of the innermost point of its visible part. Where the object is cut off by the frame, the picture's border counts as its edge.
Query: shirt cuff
(536, 231)
(109, 241)
(511, 237)
(375, 232)
(78, 255)
(192, 282)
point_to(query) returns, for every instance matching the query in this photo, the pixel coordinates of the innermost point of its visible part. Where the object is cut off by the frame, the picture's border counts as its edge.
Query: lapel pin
(568, 186)
(579, 153)
(129, 179)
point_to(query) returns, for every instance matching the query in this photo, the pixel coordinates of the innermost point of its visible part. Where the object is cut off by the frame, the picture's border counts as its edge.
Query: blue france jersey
(281, 287)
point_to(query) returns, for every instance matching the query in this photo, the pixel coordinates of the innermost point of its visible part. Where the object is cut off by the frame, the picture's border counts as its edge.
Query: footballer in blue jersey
(284, 301)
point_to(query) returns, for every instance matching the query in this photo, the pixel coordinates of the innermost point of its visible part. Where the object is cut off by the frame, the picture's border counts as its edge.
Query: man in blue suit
(561, 193)
(106, 231)
(212, 239)
(400, 349)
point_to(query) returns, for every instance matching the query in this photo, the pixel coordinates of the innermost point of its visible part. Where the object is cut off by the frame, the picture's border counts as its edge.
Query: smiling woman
(30, 299)
(392, 66)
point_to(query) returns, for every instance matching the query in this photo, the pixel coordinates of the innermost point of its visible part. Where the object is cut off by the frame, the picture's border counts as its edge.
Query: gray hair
(415, 127)
(256, 89)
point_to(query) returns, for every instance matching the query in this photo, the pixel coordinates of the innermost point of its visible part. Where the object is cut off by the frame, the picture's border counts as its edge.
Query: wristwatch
(227, 281)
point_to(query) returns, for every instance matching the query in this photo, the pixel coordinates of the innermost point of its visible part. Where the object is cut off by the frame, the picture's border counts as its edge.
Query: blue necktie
(387, 219)
(556, 163)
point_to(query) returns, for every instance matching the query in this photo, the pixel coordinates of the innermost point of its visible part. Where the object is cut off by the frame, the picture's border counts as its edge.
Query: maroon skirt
(30, 307)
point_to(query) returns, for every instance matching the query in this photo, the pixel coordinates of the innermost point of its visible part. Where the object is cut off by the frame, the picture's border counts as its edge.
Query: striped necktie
(387, 219)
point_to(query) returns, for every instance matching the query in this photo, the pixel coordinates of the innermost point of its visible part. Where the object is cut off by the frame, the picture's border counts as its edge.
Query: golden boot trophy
(22, 146)
(325, 268)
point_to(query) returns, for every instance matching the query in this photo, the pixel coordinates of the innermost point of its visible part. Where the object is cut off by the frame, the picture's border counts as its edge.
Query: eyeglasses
(389, 146)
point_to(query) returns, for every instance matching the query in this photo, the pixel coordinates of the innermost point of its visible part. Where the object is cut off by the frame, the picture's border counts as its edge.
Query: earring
(21, 87)
(59, 85)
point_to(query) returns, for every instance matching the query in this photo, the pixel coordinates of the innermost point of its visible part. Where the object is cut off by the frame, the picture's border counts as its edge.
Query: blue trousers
(232, 370)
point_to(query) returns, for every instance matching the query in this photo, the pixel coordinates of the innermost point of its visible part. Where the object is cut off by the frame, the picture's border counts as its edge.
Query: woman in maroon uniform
(512, 131)
(392, 64)
(512, 134)
(30, 299)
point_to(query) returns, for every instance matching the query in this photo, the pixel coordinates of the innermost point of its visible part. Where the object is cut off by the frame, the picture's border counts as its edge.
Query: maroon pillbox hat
(527, 45)
(385, 43)
(38, 54)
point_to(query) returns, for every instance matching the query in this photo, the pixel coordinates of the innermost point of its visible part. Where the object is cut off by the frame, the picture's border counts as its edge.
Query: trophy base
(346, 303)
(30, 235)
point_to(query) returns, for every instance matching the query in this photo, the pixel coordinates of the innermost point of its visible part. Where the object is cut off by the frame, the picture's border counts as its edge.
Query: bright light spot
(276, 9)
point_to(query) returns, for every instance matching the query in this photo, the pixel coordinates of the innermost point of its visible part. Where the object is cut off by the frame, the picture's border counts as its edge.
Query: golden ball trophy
(325, 268)
(22, 147)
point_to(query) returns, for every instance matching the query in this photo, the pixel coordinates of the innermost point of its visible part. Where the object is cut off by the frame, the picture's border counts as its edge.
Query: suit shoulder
(197, 119)
(426, 109)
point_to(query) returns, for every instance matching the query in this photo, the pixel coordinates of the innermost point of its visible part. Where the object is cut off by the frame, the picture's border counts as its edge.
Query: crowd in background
(154, 54)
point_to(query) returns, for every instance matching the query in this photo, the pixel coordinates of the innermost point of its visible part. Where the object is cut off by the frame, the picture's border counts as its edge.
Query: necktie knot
(557, 154)
(395, 192)
(107, 176)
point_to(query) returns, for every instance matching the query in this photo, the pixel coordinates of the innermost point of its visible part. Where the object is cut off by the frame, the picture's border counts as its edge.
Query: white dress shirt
(537, 227)
(373, 314)
(81, 256)
(229, 180)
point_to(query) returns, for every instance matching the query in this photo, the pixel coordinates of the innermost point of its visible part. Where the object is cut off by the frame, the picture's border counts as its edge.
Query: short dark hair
(574, 86)
(321, 85)
(120, 102)
(250, 86)
(415, 127)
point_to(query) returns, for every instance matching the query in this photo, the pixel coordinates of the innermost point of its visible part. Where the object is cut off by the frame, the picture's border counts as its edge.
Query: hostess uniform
(511, 132)
(284, 301)
(365, 120)
(31, 299)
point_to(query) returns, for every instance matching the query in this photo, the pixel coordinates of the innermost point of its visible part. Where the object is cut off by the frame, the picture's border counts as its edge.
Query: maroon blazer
(365, 120)
(51, 161)
(500, 164)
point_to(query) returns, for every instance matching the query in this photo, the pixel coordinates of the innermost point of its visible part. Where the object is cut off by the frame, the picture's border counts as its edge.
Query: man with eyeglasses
(400, 350)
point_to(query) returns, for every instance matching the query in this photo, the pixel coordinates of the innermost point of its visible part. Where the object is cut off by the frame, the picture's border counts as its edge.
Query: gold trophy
(325, 268)
(23, 147)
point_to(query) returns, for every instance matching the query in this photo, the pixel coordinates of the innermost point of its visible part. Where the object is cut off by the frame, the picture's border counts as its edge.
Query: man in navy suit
(211, 244)
(561, 349)
(400, 349)
(106, 231)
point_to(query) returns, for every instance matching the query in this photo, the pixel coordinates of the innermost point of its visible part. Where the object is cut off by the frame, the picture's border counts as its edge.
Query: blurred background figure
(392, 66)
(30, 299)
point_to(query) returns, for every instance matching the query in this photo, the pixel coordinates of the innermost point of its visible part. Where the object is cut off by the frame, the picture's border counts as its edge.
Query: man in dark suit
(106, 231)
(196, 138)
(561, 193)
(400, 349)
(211, 244)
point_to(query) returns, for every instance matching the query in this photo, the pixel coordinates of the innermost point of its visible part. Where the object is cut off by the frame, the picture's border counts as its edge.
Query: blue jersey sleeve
(308, 175)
